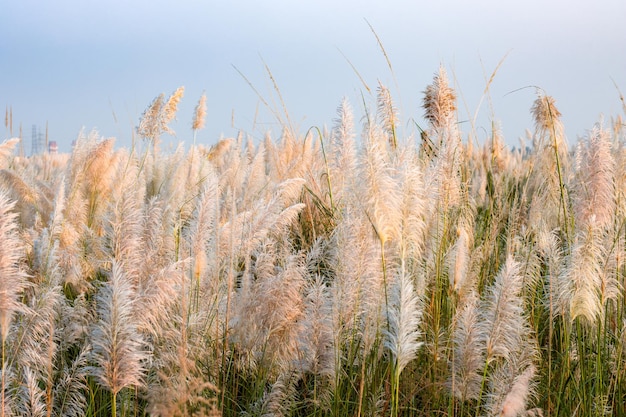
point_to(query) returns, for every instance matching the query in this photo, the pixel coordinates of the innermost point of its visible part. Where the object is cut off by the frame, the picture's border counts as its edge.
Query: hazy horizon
(98, 66)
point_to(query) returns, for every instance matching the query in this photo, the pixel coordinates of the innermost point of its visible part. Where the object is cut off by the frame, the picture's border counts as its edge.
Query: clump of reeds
(493, 348)
(317, 274)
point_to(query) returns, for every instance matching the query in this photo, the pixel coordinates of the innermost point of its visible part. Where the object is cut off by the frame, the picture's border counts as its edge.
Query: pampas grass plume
(12, 279)
(380, 190)
(514, 403)
(32, 396)
(468, 351)
(583, 277)
(547, 116)
(502, 312)
(459, 261)
(170, 109)
(387, 114)
(344, 160)
(439, 100)
(149, 125)
(594, 192)
(117, 345)
(7, 147)
(404, 319)
(200, 114)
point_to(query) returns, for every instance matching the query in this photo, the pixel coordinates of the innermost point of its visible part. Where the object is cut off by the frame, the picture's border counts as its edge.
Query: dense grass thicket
(348, 272)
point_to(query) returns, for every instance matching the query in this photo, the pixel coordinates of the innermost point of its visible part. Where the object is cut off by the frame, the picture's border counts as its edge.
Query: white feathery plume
(202, 225)
(502, 324)
(156, 296)
(169, 110)
(149, 125)
(620, 177)
(465, 380)
(594, 189)
(387, 115)
(32, 396)
(256, 178)
(125, 218)
(12, 278)
(359, 289)
(248, 229)
(10, 394)
(379, 190)
(550, 164)
(440, 102)
(25, 196)
(460, 255)
(268, 312)
(414, 211)
(583, 276)
(278, 401)
(288, 191)
(69, 392)
(38, 333)
(514, 403)
(318, 331)
(199, 115)
(75, 319)
(154, 236)
(56, 219)
(549, 129)
(404, 317)
(118, 349)
(549, 247)
(444, 171)
(6, 149)
(343, 161)
(355, 252)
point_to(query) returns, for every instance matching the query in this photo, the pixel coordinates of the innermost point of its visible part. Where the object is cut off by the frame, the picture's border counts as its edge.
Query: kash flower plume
(170, 109)
(117, 345)
(550, 200)
(582, 277)
(547, 119)
(469, 358)
(440, 100)
(594, 183)
(502, 313)
(387, 114)
(380, 191)
(344, 158)
(515, 401)
(200, 114)
(149, 126)
(404, 319)
(12, 279)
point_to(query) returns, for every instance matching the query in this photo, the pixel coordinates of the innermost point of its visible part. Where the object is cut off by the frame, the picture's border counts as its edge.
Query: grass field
(344, 272)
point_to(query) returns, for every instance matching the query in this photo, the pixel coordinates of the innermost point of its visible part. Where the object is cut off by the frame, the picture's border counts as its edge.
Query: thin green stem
(559, 172)
(3, 380)
(328, 178)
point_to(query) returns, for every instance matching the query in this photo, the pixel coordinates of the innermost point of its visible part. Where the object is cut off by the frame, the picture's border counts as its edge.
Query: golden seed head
(200, 114)
(439, 100)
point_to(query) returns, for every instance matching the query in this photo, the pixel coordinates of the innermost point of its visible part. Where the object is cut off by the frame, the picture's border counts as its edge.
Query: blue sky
(98, 64)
